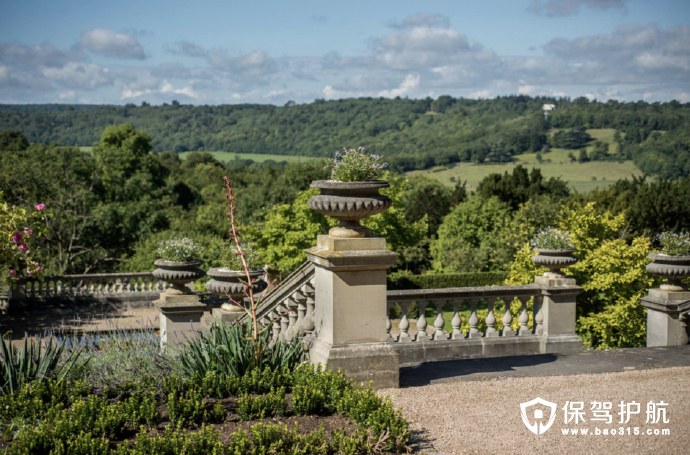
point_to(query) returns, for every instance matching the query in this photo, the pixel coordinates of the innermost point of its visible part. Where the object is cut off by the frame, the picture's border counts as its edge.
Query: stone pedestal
(350, 309)
(558, 313)
(227, 314)
(667, 313)
(180, 317)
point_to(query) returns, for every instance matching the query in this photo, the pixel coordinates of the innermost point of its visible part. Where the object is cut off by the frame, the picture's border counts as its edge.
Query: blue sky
(259, 51)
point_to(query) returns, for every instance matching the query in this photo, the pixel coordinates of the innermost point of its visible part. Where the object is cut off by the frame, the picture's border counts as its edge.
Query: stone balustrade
(131, 288)
(459, 323)
(288, 310)
(484, 322)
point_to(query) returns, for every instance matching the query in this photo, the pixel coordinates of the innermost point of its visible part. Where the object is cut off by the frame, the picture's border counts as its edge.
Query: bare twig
(235, 236)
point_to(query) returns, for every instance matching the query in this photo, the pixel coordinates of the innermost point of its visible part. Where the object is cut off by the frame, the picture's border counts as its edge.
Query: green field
(258, 157)
(582, 177)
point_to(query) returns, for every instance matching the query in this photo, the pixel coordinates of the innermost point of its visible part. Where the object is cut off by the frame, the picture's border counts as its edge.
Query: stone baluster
(507, 320)
(308, 291)
(538, 317)
(301, 312)
(291, 304)
(421, 322)
(523, 319)
(491, 318)
(404, 335)
(284, 319)
(474, 321)
(456, 323)
(439, 323)
(275, 317)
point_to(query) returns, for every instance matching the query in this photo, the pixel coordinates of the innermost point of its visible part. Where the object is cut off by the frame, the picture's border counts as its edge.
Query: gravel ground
(459, 417)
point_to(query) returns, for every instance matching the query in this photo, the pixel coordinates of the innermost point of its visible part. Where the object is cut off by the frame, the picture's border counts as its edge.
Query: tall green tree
(132, 188)
(467, 239)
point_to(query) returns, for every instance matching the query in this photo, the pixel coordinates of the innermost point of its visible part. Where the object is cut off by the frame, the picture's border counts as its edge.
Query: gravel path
(459, 417)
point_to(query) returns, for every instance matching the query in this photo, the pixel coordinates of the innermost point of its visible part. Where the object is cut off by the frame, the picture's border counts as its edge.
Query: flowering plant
(551, 238)
(355, 165)
(181, 249)
(19, 228)
(674, 244)
(230, 258)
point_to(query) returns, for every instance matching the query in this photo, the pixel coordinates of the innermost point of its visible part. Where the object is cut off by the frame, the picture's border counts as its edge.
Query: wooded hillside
(411, 134)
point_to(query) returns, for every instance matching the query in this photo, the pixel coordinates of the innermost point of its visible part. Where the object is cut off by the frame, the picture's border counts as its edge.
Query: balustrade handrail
(88, 285)
(298, 278)
(526, 290)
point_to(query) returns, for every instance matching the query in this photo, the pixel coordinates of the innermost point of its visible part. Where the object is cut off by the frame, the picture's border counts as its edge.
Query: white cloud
(555, 8)
(189, 49)
(76, 75)
(111, 44)
(167, 87)
(253, 65)
(422, 42)
(408, 84)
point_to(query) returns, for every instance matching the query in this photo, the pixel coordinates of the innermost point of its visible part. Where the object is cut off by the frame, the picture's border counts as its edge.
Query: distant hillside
(411, 134)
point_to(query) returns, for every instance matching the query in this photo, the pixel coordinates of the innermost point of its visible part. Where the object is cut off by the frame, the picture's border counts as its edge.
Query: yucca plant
(38, 359)
(231, 350)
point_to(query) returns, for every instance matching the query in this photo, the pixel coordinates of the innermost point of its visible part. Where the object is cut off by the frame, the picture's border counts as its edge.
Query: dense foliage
(114, 204)
(412, 134)
(121, 411)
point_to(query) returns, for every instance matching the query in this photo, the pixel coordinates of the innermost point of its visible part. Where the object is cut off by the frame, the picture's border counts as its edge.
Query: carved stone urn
(227, 282)
(554, 260)
(672, 268)
(349, 202)
(178, 274)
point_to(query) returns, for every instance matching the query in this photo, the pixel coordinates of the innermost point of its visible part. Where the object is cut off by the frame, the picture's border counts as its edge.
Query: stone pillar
(350, 309)
(558, 313)
(667, 313)
(180, 317)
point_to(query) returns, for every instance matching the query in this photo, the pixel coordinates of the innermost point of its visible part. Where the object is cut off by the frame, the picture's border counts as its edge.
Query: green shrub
(316, 391)
(405, 280)
(173, 442)
(272, 404)
(377, 416)
(186, 409)
(621, 325)
(83, 443)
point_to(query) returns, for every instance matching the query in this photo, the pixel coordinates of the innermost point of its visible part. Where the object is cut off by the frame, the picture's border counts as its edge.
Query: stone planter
(178, 274)
(349, 202)
(672, 268)
(554, 260)
(226, 282)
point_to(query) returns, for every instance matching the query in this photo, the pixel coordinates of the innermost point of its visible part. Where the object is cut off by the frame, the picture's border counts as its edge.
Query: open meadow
(582, 177)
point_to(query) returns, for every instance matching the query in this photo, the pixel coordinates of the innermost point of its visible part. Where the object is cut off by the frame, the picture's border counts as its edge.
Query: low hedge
(404, 280)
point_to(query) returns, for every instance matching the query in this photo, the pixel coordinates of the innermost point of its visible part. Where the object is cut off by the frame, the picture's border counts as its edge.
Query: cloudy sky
(260, 51)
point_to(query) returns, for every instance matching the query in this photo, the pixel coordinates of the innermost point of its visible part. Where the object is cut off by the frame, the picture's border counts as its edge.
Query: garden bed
(97, 402)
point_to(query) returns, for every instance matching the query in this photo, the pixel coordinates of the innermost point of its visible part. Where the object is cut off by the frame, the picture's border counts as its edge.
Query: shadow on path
(589, 362)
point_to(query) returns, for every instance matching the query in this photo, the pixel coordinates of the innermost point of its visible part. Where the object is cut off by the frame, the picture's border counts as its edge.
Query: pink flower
(28, 232)
(40, 206)
(12, 273)
(18, 238)
(32, 268)
(23, 247)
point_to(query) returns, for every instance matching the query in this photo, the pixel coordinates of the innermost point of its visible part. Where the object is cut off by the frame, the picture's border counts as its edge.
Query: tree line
(411, 133)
